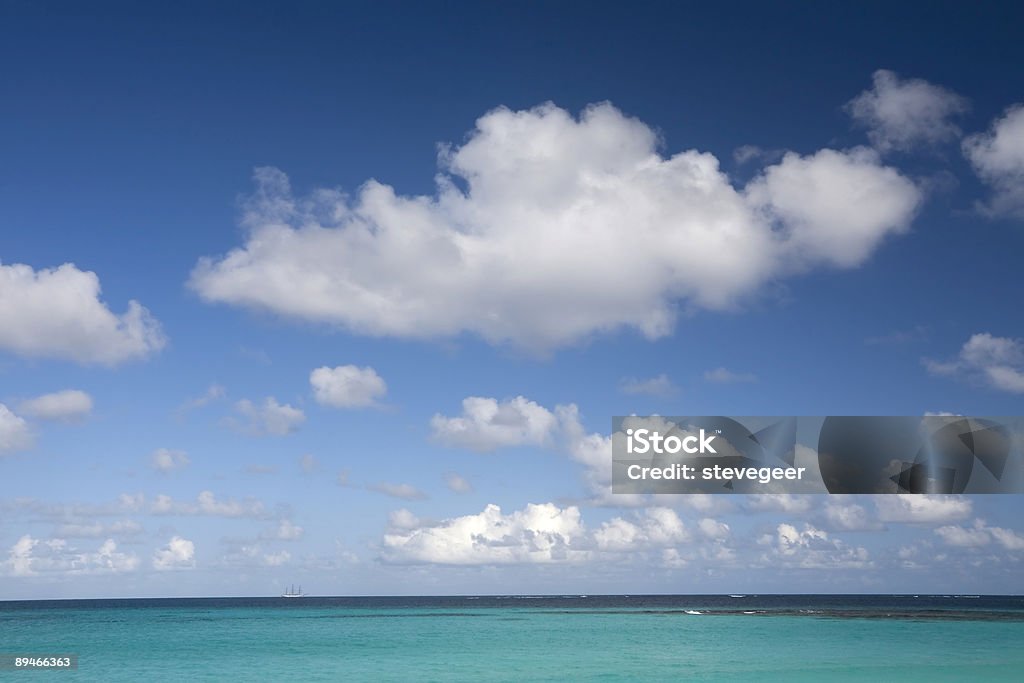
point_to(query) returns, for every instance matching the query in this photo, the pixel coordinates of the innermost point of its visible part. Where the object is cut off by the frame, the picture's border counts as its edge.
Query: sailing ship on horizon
(292, 593)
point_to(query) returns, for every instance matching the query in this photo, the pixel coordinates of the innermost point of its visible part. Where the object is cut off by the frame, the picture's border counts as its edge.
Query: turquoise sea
(525, 638)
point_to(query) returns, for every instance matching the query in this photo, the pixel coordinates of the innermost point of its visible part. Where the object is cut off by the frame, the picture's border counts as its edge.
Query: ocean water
(524, 638)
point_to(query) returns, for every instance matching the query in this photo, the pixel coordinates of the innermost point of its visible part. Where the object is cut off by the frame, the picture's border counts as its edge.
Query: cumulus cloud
(403, 519)
(179, 553)
(658, 526)
(285, 530)
(813, 548)
(655, 386)
(270, 417)
(593, 451)
(849, 517)
(68, 405)
(998, 158)
(166, 460)
(57, 313)
(713, 529)
(487, 424)
(834, 207)
(250, 554)
(541, 533)
(14, 431)
(347, 386)
(566, 227)
(483, 427)
(979, 535)
(995, 361)
(1008, 538)
(726, 376)
(922, 508)
(32, 556)
(901, 114)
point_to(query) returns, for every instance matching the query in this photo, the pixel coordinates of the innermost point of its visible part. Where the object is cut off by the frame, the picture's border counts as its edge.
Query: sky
(346, 296)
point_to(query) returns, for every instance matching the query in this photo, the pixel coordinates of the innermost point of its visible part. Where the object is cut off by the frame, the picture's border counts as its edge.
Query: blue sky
(560, 217)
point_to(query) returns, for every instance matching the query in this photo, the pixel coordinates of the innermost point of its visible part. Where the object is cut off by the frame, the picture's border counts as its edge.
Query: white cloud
(995, 361)
(979, 535)
(19, 561)
(655, 386)
(963, 537)
(269, 418)
(998, 158)
(14, 432)
(166, 461)
(277, 559)
(812, 548)
(657, 527)
(726, 376)
(57, 313)
(347, 386)
(541, 533)
(106, 558)
(403, 491)
(487, 424)
(834, 207)
(457, 483)
(901, 114)
(849, 517)
(249, 554)
(403, 519)
(1008, 538)
(594, 452)
(206, 504)
(179, 553)
(67, 405)
(31, 556)
(921, 508)
(568, 227)
(672, 559)
(286, 530)
(308, 463)
(713, 529)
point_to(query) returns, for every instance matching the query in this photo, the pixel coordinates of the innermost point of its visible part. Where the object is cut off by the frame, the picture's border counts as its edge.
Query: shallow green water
(511, 641)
